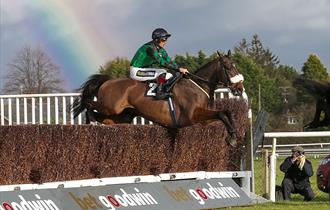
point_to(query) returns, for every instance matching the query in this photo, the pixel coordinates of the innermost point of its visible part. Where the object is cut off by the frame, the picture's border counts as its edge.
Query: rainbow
(70, 38)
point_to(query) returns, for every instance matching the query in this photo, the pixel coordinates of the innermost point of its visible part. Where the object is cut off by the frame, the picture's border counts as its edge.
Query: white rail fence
(273, 157)
(315, 149)
(55, 108)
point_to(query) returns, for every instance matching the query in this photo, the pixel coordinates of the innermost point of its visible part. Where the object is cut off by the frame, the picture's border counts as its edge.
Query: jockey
(150, 60)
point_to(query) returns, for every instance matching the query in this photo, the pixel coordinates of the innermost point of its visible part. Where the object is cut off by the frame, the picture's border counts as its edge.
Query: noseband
(235, 91)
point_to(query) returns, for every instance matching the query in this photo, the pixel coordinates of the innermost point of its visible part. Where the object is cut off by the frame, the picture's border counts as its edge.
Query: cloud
(290, 28)
(274, 15)
(13, 12)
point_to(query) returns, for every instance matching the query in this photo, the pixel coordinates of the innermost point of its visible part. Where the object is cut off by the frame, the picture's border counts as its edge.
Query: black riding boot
(164, 89)
(161, 92)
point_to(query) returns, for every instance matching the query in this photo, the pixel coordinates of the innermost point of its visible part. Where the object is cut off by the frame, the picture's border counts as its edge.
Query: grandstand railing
(55, 108)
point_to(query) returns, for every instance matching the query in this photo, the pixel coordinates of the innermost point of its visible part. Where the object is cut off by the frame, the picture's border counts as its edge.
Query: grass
(320, 202)
(293, 205)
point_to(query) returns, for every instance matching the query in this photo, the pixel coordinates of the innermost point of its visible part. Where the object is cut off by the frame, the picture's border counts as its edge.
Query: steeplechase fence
(54, 147)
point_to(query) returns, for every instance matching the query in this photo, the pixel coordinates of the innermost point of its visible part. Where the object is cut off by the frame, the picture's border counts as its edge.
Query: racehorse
(320, 90)
(120, 100)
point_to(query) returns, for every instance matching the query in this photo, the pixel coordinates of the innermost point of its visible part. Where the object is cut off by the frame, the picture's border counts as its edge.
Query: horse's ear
(229, 53)
(219, 54)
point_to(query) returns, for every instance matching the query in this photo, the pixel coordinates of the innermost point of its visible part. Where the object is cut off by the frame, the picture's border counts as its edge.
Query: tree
(32, 71)
(193, 63)
(253, 76)
(261, 56)
(286, 74)
(242, 47)
(117, 68)
(314, 69)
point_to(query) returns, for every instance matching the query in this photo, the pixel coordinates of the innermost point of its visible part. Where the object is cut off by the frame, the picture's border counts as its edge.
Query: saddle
(160, 89)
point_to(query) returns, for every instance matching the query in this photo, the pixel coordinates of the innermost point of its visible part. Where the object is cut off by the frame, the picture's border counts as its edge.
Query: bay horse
(320, 90)
(120, 100)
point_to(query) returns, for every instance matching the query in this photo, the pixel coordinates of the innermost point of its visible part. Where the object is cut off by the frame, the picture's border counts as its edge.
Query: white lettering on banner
(126, 199)
(23, 204)
(201, 195)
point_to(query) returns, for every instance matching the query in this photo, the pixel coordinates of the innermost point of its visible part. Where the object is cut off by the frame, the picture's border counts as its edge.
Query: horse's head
(229, 75)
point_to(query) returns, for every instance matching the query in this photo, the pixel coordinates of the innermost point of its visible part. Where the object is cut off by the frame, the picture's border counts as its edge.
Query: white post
(2, 114)
(251, 150)
(25, 111)
(10, 119)
(33, 110)
(56, 110)
(17, 112)
(272, 172)
(40, 111)
(79, 119)
(64, 110)
(48, 110)
(135, 120)
(71, 113)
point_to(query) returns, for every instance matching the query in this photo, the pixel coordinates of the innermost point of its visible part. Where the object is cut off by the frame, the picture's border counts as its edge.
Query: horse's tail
(316, 88)
(88, 91)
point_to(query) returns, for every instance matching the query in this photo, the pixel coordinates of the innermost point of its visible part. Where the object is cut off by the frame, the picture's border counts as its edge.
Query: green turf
(292, 205)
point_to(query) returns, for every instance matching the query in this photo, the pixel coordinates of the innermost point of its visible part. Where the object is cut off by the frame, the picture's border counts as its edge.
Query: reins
(204, 80)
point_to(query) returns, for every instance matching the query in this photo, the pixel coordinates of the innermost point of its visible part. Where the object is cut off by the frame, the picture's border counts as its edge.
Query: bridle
(228, 84)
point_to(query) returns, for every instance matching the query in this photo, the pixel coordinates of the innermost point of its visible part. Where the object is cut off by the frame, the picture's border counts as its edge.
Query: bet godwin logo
(113, 202)
(202, 195)
(24, 204)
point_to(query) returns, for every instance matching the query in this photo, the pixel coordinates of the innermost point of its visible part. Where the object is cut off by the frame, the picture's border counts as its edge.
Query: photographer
(297, 171)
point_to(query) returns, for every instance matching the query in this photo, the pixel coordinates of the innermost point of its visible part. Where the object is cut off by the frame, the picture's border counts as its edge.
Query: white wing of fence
(55, 108)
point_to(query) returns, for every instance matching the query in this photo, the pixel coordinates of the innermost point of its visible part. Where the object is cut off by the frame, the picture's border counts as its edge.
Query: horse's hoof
(232, 140)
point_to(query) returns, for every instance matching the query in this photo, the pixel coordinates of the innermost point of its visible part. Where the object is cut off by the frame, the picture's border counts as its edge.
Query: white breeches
(145, 74)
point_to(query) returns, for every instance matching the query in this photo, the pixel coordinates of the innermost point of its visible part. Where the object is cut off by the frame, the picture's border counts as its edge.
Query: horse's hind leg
(90, 117)
(229, 123)
(125, 117)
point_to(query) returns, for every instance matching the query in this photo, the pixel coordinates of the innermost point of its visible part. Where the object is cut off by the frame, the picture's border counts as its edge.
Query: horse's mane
(316, 88)
(201, 72)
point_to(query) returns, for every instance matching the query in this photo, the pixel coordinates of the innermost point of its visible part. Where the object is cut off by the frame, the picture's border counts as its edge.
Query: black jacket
(299, 177)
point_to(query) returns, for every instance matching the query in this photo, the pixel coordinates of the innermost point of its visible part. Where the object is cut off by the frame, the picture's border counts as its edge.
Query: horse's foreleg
(229, 123)
(224, 116)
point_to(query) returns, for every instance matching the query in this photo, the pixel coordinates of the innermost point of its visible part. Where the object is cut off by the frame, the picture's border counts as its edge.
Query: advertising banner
(178, 194)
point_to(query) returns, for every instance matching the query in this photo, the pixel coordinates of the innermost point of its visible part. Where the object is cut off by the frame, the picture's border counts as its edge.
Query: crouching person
(297, 171)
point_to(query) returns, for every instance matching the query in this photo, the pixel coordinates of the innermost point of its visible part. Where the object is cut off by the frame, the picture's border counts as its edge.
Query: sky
(82, 35)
